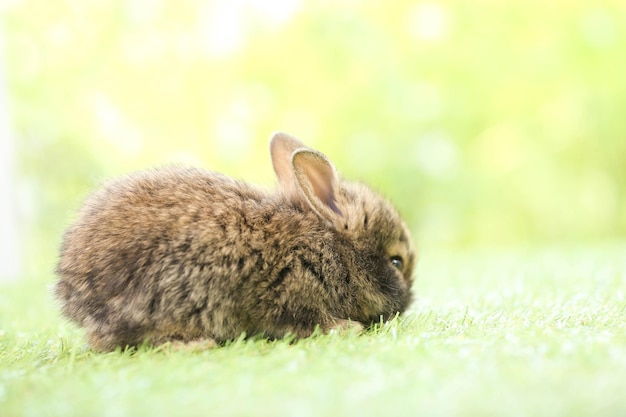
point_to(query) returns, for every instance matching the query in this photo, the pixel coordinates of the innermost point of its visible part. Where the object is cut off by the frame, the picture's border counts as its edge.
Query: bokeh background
(486, 122)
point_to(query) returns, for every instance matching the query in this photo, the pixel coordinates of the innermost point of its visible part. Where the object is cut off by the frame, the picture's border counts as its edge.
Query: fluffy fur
(185, 255)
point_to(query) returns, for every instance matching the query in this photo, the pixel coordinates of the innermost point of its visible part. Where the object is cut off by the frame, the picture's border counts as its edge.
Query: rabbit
(191, 257)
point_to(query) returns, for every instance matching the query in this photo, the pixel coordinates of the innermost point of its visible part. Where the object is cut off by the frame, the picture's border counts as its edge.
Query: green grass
(493, 333)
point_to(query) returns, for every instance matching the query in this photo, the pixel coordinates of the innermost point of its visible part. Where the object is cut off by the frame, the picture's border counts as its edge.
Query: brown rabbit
(188, 256)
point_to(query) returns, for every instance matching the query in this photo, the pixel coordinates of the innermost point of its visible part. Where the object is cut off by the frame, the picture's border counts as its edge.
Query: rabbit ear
(305, 175)
(282, 147)
(316, 178)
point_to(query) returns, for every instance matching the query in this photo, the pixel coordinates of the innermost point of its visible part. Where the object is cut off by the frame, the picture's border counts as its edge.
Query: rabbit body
(183, 254)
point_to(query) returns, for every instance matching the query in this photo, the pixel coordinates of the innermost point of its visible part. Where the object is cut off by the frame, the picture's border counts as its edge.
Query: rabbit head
(373, 239)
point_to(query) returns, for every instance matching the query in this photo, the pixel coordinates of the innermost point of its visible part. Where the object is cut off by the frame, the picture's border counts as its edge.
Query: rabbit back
(179, 253)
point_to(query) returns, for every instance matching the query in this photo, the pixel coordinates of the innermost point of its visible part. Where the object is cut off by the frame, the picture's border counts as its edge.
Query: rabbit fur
(184, 255)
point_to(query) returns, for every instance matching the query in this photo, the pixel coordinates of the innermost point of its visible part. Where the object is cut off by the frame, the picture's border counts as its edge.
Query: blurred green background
(486, 122)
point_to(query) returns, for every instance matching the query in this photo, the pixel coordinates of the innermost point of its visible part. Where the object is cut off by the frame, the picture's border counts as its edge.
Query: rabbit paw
(191, 346)
(346, 327)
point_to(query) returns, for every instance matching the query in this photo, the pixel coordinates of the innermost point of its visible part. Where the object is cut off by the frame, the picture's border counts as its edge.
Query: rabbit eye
(397, 262)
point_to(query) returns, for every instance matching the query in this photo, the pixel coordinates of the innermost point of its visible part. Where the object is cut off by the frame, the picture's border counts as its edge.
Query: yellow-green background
(486, 122)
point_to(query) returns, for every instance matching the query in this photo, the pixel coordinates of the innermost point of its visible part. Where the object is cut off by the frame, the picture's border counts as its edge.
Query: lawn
(523, 332)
